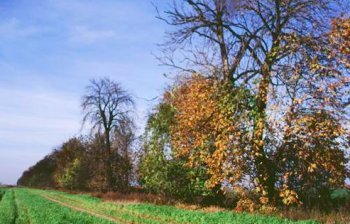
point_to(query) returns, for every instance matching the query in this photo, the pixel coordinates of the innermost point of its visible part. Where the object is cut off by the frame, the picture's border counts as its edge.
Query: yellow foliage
(206, 131)
(340, 39)
(312, 153)
(289, 197)
(246, 205)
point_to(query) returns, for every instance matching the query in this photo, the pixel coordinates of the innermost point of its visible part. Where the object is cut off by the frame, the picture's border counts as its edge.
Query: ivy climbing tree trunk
(264, 167)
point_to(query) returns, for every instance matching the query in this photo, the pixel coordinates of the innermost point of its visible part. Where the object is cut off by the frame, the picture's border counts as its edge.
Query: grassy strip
(8, 208)
(40, 210)
(169, 214)
(22, 212)
(108, 209)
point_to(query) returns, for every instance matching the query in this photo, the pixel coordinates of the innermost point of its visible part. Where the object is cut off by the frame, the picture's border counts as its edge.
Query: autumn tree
(124, 138)
(69, 172)
(262, 45)
(40, 174)
(96, 163)
(316, 111)
(108, 107)
(340, 40)
(213, 131)
(312, 158)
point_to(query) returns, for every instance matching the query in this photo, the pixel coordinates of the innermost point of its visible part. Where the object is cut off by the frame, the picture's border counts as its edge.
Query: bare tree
(108, 107)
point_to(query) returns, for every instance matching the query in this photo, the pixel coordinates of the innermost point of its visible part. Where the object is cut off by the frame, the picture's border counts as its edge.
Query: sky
(50, 49)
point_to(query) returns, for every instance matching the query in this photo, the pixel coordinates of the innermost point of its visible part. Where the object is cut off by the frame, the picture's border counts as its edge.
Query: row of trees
(258, 110)
(80, 164)
(100, 162)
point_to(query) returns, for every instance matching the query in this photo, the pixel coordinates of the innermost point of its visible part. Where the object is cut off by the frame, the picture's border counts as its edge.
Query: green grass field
(28, 206)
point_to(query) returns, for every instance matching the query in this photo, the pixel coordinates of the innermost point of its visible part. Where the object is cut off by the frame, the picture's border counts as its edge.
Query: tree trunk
(265, 170)
(110, 179)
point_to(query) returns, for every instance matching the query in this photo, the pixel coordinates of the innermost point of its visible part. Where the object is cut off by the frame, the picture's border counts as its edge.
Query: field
(29, 206)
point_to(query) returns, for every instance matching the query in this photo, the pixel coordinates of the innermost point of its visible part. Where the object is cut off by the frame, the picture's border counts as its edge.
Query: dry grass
(342, 217)
(187, 206)
(208, 209)
(212, 208)
(134, 197)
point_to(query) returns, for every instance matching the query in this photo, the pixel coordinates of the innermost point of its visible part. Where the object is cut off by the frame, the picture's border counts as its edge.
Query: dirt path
(134, 214)
(15, 207)
(109, 218)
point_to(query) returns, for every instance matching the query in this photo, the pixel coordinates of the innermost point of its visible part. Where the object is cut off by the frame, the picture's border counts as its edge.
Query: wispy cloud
(39, 110)
(87, 35)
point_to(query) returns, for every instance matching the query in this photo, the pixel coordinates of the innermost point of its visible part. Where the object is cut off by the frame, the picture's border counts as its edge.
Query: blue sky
(50, 49)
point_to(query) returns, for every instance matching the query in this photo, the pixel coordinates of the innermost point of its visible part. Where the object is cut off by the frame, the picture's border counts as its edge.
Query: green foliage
(340, 196)
(69, 177)
(159, 170)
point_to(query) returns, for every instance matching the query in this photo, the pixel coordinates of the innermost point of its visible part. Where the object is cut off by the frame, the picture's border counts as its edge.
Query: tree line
(101, 161)
(258, 111)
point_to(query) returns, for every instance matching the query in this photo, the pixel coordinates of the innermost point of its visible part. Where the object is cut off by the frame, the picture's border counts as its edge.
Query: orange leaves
(340, 34)
(246, 204)
(311, 156)
(312, 167)
(264, 200)
(206, 132)
(340, 39)
(289, 197)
